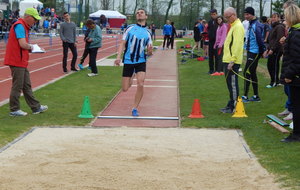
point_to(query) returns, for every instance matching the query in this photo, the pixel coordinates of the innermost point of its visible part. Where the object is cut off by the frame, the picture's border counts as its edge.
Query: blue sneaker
(135, 112)
(255, 99)
(80, 66)
(245, 99)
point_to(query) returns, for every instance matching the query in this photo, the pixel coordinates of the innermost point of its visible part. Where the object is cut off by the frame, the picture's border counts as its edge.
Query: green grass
(65, 99)
(155, 43)
(281, 159)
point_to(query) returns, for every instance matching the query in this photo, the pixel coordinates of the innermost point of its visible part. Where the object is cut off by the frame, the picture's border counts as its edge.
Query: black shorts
(129, 69)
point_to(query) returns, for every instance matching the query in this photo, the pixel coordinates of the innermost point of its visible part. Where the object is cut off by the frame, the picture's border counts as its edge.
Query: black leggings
(250, 73)
(273, 67)
(295, 94)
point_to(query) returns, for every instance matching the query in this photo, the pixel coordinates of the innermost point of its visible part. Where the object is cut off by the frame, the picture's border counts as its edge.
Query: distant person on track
(94, 39)
(173, 35)
(17, 57)
(135, 41)
(167, 32)
(233, 57)
(68, 37)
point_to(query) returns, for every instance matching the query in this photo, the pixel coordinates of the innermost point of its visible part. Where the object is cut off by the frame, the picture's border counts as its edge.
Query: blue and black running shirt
(137, 38)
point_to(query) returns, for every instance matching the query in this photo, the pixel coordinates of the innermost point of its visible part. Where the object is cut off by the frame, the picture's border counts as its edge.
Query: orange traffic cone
(196, 110)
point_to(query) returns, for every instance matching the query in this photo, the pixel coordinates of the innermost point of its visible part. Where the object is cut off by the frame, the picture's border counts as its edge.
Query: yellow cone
(239, 109)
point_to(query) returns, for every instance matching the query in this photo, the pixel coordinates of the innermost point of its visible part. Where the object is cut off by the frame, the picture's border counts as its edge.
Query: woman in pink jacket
(220, 39)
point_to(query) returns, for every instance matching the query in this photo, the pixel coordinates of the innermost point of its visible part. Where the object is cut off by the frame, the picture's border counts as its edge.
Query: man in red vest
(16, 57)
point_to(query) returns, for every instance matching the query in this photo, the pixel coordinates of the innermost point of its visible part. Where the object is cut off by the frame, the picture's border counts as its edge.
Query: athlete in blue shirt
(135, 41)
(167, 32)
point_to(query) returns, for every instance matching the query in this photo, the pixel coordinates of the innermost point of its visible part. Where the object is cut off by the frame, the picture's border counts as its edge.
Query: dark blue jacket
(255, 39)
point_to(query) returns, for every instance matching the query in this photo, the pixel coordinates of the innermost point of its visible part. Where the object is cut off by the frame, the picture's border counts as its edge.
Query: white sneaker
(42, 109)
(288, 117)
(92, 74)
(18, 113)
(284, 113)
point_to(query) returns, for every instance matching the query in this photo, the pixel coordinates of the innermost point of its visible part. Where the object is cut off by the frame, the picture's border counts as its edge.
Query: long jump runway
(159, 106)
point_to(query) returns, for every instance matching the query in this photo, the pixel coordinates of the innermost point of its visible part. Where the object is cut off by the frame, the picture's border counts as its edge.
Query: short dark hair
(66, 13)
(143, 10)
(213, 11)
(264, 19)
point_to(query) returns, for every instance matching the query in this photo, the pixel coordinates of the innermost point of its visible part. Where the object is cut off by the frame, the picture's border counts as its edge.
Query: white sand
(131, 159)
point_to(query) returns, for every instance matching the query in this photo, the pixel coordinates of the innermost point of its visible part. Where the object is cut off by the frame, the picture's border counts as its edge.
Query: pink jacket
(221, 35)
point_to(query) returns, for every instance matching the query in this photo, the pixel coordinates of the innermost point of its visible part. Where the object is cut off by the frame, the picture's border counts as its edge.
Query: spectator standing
(167, 32)
(95, 39)
(290, 72)
(220, 39)
(255, 47)
(233, 57)
(153, 28)
(86, 48)
(68, 37)
(212, 30)
(17, 57)
(196, 36)
(46, 25)
(274, 51)
(173, 35)
(205, 39)
(267, 29)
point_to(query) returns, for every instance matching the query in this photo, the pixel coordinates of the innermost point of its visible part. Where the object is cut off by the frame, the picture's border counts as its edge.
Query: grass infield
(279, 158)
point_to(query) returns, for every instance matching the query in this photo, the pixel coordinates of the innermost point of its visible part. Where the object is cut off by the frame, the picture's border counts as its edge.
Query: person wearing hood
(275, 49)
(255, 47)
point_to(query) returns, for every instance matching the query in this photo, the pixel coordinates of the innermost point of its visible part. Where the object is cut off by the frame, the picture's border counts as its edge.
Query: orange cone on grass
(196, 110)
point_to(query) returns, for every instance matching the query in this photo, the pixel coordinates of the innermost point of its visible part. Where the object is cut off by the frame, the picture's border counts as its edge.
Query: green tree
(277, 6)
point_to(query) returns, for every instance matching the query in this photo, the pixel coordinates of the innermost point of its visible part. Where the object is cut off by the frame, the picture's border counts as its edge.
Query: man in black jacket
(212, 30)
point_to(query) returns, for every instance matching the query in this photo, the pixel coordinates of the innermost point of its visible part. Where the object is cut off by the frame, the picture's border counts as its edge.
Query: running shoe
(255, 99)
(245, 99)
(135, 112)
(42, 109)
(284, 113)
(92, 74)
(18, 113)
(80, 66)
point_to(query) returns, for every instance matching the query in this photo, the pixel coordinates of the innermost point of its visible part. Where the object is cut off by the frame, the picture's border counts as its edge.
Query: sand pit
(131, 159)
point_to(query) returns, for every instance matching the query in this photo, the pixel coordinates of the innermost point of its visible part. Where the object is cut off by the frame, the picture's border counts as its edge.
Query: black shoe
(74, 70)
(210, 72)
(65, 71)
(291, 138)
(227, 110)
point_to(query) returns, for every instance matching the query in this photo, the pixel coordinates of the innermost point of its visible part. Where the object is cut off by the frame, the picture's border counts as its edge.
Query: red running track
(47, 67)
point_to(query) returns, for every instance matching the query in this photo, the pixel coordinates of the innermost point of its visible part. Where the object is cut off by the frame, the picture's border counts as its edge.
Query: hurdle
(277, 120)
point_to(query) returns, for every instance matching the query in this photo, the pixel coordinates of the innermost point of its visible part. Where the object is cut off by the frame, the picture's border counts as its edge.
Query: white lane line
(157, 86)
(139, 117)
(43, 67)
(44, 57)
(160, 80)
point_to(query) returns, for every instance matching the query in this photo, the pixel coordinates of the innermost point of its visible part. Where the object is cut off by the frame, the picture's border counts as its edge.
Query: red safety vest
(15, 55)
